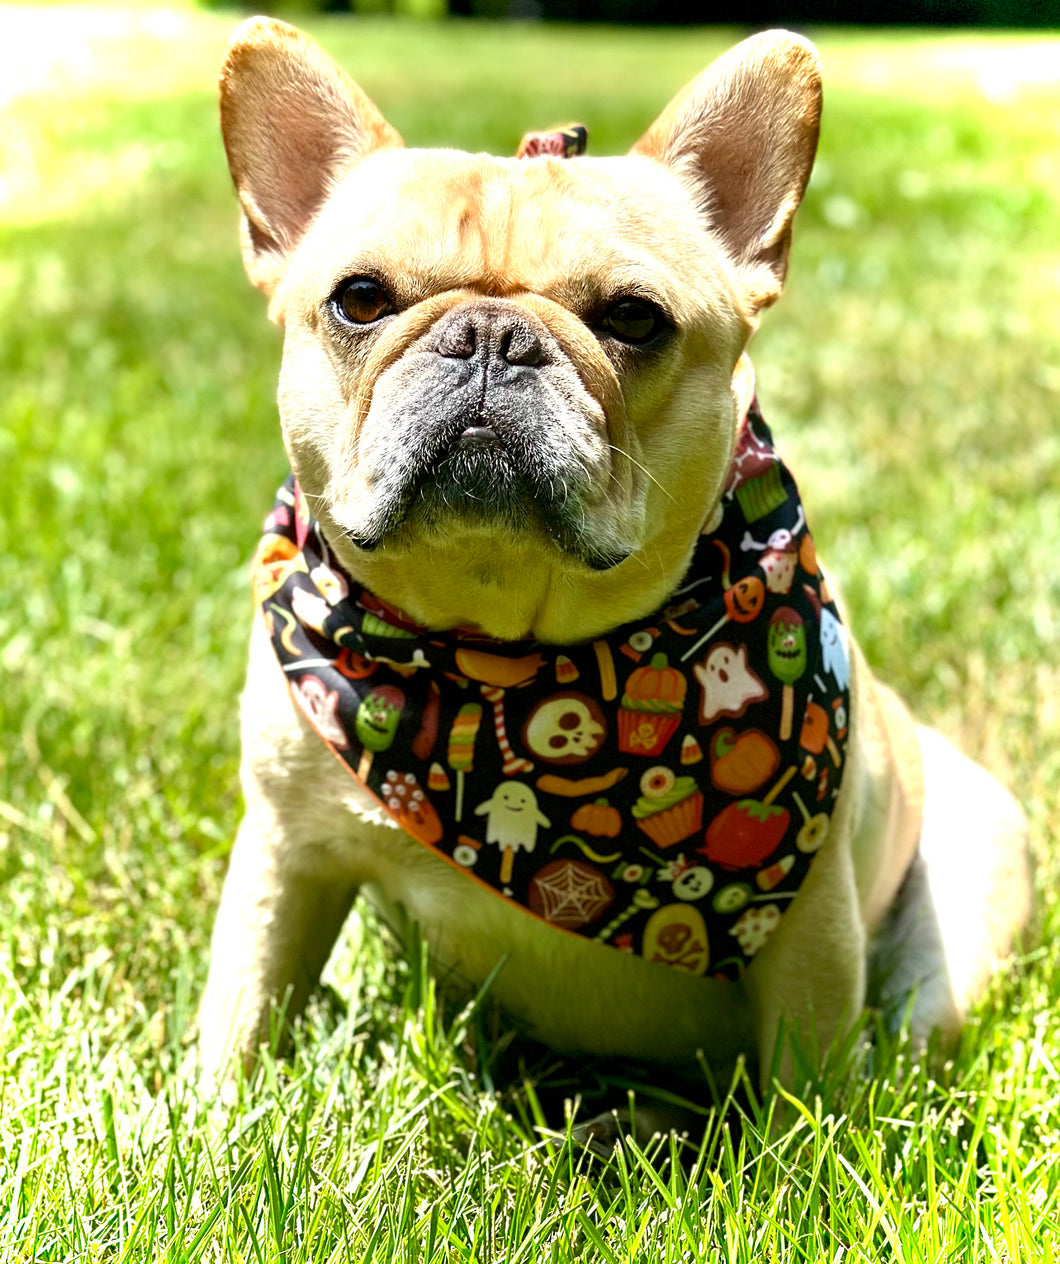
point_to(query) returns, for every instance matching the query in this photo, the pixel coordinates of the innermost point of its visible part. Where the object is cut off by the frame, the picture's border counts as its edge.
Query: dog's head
(510, 388)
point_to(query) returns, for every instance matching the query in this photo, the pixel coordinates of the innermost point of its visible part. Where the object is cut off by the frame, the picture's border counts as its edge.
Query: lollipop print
(743, 601)
(787, 659)
(814, 829)
(461, 752)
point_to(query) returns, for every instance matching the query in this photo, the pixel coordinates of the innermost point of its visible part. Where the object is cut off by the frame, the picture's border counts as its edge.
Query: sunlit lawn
(912, 374)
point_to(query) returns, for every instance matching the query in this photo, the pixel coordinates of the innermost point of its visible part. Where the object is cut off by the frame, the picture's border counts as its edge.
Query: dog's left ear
(742, 137)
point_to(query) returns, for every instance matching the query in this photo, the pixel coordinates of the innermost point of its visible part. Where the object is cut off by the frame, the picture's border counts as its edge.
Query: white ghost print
(729, 685)
(513, 816)
(835, 656)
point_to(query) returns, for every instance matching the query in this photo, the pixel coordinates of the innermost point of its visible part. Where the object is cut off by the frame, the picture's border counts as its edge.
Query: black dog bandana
(662, 789)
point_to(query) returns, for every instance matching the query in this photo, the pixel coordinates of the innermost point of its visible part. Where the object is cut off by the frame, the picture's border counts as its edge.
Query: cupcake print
(651, 708)
(670, 808)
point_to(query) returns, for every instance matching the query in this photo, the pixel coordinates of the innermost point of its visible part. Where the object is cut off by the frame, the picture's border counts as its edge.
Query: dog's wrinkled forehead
(436, 220)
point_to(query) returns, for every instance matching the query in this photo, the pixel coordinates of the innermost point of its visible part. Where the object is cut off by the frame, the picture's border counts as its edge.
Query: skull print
(566, 728)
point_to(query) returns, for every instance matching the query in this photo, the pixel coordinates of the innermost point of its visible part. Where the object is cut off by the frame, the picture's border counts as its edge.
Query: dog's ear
(742, 137)
(293, 122)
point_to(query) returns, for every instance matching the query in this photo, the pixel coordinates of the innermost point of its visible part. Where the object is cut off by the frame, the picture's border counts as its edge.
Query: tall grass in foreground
(912, 375)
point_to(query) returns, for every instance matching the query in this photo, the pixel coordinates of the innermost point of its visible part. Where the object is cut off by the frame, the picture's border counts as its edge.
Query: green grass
(912, 374)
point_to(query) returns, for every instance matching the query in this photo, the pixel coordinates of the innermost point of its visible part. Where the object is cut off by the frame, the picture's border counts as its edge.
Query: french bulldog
(541, 573)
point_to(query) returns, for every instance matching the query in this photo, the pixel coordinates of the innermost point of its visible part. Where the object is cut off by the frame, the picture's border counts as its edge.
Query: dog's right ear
(293, 122)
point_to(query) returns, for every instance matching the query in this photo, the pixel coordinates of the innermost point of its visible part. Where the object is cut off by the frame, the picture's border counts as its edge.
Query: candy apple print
(742, 835)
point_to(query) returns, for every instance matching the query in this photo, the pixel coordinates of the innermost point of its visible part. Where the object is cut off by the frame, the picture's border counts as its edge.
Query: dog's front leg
(278, 920)
(290, 880)
(808, 983)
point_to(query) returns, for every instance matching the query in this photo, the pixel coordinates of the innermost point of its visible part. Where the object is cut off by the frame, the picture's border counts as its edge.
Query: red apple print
(742, 835)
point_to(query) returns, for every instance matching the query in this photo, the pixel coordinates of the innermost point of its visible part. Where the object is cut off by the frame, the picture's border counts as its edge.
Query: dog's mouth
(479, 477)
(485, 481)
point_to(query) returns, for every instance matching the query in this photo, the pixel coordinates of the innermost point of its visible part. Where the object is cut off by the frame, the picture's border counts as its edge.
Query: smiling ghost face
(514, 797)
(512, 816)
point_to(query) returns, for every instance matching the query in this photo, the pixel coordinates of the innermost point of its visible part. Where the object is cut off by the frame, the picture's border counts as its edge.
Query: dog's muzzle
(484, 434)
(490, 356)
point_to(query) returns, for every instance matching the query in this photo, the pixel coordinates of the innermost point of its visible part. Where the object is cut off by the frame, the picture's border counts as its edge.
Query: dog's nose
(490, 330)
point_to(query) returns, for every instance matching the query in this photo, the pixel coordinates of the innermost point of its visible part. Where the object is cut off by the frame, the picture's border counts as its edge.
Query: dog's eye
(633, 320)
(361, 300)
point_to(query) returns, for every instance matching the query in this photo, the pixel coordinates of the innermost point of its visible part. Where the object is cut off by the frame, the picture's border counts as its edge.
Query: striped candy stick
(513, 763)
(641, 900)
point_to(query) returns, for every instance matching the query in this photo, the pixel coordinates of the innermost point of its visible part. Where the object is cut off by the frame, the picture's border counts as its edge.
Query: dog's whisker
(644, 470)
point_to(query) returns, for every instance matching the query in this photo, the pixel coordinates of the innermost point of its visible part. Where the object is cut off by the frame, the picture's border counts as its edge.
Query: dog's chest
(572, 994)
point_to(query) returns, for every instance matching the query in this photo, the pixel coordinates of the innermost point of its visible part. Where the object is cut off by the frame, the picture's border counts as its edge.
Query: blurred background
(754, 13)
(911, 374)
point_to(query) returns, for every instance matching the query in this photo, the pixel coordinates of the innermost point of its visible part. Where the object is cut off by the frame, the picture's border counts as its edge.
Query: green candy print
(377, 717)
(787, 659)
(787, 645)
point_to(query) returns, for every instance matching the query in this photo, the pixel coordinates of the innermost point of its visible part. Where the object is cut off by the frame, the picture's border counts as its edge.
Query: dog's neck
(515, 592)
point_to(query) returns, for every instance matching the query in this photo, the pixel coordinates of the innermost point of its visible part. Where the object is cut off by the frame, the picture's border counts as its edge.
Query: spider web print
(571, 896)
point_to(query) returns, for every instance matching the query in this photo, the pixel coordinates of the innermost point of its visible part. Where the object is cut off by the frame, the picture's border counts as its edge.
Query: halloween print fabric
(662, 789)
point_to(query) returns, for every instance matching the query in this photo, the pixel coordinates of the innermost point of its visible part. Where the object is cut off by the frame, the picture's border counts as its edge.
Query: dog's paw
(601, 1134)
